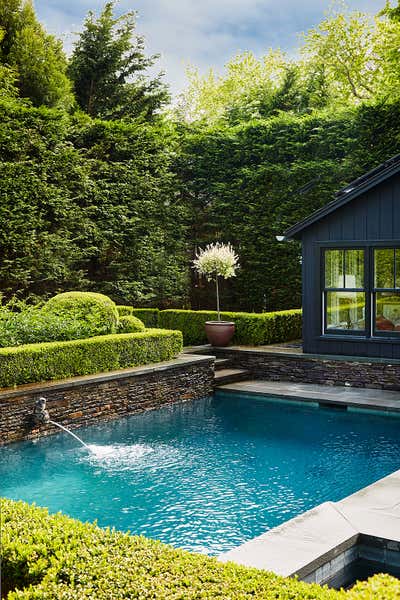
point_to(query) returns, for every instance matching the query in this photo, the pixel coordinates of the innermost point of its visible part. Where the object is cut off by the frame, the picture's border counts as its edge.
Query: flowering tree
(217, 260)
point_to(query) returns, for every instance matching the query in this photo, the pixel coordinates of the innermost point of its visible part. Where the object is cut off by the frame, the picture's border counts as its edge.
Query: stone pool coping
(301, 545)
(304, 545)
(340, 396)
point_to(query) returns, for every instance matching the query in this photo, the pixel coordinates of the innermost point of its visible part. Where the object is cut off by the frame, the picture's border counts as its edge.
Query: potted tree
(217, 260)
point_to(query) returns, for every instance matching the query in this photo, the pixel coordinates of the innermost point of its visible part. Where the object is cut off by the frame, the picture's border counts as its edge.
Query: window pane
(384, 267)
(334, 269)
(354, 265)
(397, 267)
(345, 310)
(387, 311)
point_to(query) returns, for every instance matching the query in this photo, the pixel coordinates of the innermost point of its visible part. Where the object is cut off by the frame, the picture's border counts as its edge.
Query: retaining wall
(321, 369)
(87, 400)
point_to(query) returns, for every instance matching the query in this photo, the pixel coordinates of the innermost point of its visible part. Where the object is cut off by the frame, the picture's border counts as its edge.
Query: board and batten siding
(372, 218)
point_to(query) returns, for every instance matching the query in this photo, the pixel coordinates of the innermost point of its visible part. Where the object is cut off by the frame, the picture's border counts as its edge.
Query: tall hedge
(57, 558)
(247, 184)
(58, 360)
(89, 205)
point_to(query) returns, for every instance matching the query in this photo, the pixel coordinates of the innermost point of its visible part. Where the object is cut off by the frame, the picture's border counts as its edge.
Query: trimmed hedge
(149, 316)
(58, 360)
(252, 329)
(57, 558)
(124, 310)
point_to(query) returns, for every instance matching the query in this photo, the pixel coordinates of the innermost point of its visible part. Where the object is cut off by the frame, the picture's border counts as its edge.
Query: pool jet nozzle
(40, 413)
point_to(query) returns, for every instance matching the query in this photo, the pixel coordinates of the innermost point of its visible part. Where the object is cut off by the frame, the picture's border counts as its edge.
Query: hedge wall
(58, 360)
(149, 316)
(252, 329)
(58, 558)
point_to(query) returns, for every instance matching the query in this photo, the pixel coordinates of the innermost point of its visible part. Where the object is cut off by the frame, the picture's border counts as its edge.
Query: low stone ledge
(85, 400)
(320, 369)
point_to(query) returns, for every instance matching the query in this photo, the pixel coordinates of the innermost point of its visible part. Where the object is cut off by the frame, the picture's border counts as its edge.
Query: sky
(202, 33)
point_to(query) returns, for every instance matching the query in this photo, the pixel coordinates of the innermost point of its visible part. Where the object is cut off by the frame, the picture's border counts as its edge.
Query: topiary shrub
(97, 313)
(130, 324)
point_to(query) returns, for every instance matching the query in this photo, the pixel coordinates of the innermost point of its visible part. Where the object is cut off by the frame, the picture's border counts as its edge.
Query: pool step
(221, 363)
(224, 376)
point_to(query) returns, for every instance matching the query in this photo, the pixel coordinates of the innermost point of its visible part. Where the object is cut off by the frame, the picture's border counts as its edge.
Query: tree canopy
(36, 58)
(108, 69)
(103, 190)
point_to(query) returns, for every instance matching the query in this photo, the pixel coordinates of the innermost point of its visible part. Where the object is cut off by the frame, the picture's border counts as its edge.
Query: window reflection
(345, 310)
(384, 267)
(334, 271)
(354, 267)
(387, 311)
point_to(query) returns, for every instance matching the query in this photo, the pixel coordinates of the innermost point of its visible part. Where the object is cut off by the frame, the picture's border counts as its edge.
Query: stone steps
(230, 375)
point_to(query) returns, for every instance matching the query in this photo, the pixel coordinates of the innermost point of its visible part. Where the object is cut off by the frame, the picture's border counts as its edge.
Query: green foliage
(107, 68)
(31, 325)
(250, 329)
(130, 324)
(347, 59)
(149, 316)
(58, 360)
(124, 310)
(37, 57)
(247, 184)
(57, 558)
(89, 205)
(97, 312)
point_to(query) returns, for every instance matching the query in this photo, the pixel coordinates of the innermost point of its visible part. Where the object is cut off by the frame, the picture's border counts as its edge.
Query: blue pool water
(205, 475)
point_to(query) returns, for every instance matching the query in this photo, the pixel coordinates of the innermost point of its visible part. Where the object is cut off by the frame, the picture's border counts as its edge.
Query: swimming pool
(205, 475)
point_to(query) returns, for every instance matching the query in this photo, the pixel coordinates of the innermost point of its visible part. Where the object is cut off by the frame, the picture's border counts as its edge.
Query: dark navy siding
(369, 219)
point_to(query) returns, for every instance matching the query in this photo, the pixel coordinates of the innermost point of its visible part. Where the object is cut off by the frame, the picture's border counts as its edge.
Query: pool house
(351, 268)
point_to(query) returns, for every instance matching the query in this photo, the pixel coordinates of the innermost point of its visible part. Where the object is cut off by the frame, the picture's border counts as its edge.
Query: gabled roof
(349, 192)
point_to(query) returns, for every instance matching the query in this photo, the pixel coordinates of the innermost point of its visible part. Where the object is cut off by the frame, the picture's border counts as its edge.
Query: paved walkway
(354, 398)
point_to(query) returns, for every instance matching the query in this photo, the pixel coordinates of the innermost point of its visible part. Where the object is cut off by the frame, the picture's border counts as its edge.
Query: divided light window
(344, 290)
(386, 291)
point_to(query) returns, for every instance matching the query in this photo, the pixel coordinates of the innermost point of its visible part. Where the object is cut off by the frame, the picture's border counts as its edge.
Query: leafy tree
(345, 45)
(35, 56)
(108, 69)
(253, 88)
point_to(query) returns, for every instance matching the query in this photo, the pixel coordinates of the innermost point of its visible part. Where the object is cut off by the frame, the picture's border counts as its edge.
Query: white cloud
(204, 33)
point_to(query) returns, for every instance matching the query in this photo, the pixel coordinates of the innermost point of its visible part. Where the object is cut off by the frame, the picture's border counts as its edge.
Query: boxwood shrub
(58, 360)
(130, 324)
(97, 311)
(252, 329)
(57, 558)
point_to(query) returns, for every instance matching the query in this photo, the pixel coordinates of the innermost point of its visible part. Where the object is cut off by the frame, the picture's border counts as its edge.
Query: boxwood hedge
(124, 310)
(252, 329)
(58, 360)
(149, 316)
(57, 558)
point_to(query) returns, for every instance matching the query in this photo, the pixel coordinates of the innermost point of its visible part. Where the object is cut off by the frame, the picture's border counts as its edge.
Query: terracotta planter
(219, 333)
